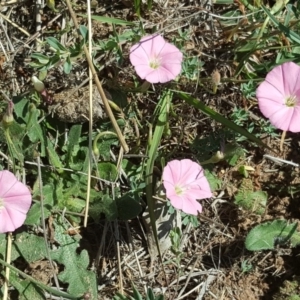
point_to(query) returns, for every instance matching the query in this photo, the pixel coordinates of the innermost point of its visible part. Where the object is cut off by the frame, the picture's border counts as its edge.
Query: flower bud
(38, 85)
(216, 79)
(8, 117)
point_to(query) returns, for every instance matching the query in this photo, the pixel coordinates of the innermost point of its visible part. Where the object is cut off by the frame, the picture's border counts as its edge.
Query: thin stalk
(99, 86)
(39, 284)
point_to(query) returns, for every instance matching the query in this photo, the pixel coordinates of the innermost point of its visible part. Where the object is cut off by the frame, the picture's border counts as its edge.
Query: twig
(31, 37)
(88, 190)
(280, 160)
(99, 86)
(38, 21)
(12, 49)
(7, 270)
(119, 256)
(282, 140)
(205, 286)
(188, 277)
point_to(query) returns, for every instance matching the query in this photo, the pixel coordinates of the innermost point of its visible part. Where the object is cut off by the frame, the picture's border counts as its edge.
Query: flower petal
(295, 120)
(280, 83)
(186, 204)
(189, 177)
(158, 75)
(268, 94)
(191, 206)
(155, 48)
(16, 201)
(10, 220)
(200, 191)
(170, 172)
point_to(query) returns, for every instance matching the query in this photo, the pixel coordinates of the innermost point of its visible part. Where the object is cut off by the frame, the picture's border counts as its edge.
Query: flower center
(1, 204)
(179, 190)
(154, 63)
(291, 101)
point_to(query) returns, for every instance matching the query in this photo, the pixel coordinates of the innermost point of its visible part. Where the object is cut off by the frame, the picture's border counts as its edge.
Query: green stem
(10, 147)
(153, 148)
(41, 285)
(100, 134)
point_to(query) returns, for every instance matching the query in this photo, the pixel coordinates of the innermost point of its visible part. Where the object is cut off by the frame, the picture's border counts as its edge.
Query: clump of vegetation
(149, 139)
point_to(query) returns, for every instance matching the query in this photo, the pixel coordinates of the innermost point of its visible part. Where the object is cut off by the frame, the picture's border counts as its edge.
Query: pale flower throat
(291, 101)
(1, 204)
(154, 63)
(179, 190)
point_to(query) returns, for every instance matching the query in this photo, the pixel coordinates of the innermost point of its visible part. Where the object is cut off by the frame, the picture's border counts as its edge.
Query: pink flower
(155, 59)
(279, 97)
(15, 201)
(185, 182)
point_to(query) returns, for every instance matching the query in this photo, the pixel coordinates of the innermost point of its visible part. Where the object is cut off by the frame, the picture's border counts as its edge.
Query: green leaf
(214, 182)
(253, 201)
(21, 106)
(79, 279)
(119, 296)
(152, 297)
(3, 245)
(54, 43)
(67, 65)
(105, 205)
(14, 140)
(34, 214)
(27, 290)
(75, 204)
(53, 157)
(53, 61)
(129, 207)
(136, 294)
(31, 291)
(84, 32)
(38, 283)
(287, 31)
(105, 144)
(266, 236)
(42, 59)
(30, 246)
(108, 20)
(219, 118)
(73, 143)
(107, 171)
(137, 7)
(35, 130)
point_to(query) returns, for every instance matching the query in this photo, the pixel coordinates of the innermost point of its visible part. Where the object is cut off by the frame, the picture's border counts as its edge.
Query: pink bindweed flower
(155, 59)
(185, 182)
(15, 201)
(279, 97)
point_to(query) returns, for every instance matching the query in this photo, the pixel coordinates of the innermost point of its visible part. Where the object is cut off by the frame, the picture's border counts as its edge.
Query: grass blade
(219, 118)
(157, 136)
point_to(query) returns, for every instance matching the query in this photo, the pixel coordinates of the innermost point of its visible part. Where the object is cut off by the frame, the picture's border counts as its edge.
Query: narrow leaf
(54, 43)
(219, 118)
(287, 31)
(163, 105)
(108, 20)
(73, 142)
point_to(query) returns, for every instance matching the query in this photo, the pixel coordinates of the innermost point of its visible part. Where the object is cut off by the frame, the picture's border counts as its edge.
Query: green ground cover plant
(150, 150)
